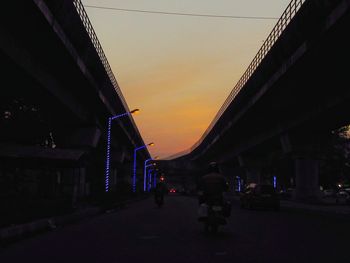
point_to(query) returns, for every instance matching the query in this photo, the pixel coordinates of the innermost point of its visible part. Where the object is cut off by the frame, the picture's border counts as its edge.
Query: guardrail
(91, 32)
(93, 37)
(288, 14)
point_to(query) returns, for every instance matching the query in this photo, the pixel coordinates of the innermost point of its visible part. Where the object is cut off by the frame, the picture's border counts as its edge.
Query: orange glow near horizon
(180, 70)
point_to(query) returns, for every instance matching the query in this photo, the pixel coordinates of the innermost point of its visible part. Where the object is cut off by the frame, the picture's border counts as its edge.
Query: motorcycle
(214, 215)
(159, 200)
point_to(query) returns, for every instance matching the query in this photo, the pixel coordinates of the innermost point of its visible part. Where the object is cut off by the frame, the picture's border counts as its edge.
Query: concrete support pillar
(124, 173)
(286, 144)
(306, 179)
(228, 170)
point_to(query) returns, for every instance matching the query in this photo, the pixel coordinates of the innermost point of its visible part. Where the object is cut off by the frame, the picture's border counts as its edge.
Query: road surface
(144, 233)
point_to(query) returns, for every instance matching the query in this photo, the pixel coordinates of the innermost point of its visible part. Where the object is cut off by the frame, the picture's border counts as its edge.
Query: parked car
(286, 193)
(260, 195)
(343, 197)
(328, 193)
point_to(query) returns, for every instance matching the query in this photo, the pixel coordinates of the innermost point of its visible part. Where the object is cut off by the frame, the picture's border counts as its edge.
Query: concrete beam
(30, 64)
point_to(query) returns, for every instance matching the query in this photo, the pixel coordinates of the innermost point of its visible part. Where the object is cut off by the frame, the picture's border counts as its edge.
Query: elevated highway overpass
(293, 94)
(57, 86)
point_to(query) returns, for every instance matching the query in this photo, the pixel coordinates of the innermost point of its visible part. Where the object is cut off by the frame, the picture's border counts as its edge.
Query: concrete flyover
(58, 92)
(293, 94)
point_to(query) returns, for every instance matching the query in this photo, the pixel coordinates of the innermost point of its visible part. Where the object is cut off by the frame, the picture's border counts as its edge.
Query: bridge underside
(54, 105)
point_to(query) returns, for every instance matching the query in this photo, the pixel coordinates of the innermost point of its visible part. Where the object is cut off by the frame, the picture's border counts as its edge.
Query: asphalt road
(144, 233)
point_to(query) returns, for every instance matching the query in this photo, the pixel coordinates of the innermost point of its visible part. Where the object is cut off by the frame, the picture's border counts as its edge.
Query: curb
(295, 207)
(316, 210)
(19, 232)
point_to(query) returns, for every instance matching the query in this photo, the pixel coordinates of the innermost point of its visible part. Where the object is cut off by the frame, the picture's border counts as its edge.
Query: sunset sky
(178, 70)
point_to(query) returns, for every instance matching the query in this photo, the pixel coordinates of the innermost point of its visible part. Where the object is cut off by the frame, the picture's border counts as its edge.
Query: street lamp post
(145, 172)
(134, 170)
(109, 128)
(149, 180)
(152, 178)
(153, 164)
(155, 178)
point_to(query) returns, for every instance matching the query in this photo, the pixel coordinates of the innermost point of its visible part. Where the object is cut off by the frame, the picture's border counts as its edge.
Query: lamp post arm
(148, 160)
(139, 148)
(120, 115)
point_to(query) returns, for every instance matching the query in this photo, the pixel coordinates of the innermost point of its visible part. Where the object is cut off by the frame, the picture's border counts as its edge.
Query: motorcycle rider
(159, 192)
(212, 207)
(212, 186)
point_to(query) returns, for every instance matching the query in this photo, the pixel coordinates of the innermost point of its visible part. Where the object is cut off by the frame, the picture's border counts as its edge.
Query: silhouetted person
(212, 186)
(159, 193)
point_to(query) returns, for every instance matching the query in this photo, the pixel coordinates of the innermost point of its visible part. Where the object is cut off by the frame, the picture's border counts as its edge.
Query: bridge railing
(288, 14)
(91, 32)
